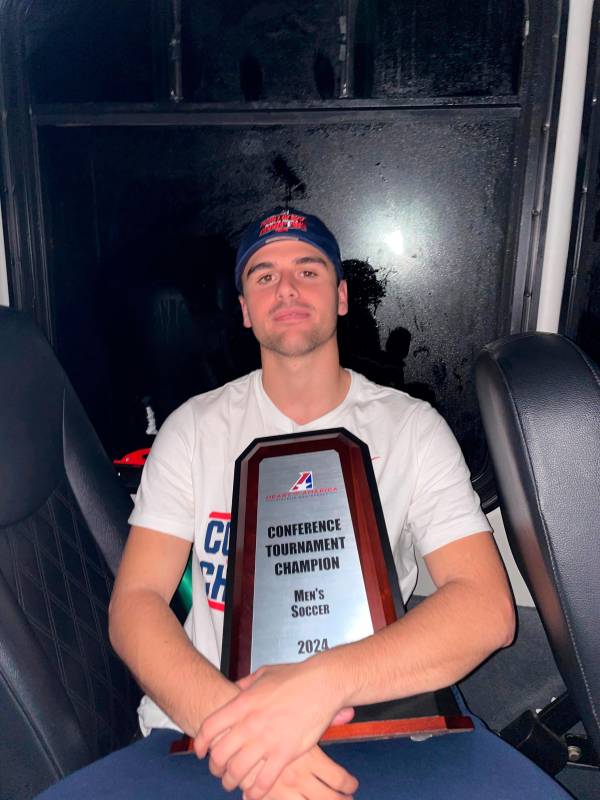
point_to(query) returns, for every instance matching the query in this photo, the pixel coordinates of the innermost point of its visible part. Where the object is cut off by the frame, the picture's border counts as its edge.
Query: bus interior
(454, 148)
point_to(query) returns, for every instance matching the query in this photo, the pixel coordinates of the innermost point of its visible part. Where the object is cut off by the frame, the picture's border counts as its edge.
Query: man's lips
(291, 314)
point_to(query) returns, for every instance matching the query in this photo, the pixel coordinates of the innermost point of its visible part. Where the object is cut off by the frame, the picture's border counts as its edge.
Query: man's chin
(294, 346)
(288, 351)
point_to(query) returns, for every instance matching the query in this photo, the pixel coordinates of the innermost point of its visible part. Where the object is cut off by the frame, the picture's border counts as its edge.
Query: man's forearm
(148, 637)
(436, 644)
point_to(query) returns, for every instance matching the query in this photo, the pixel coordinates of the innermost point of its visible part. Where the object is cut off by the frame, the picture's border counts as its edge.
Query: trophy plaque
(310, 567)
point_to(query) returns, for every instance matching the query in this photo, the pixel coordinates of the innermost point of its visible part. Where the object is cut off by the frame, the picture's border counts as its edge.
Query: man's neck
(307, 387)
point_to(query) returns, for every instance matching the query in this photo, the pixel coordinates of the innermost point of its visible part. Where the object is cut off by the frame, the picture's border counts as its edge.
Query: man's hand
(280, 714)
(313, 776)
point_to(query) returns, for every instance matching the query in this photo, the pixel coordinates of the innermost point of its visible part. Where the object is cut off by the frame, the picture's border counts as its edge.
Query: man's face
(291, 299)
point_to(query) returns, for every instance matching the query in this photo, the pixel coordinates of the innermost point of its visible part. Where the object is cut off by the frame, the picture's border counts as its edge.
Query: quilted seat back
(65, 698)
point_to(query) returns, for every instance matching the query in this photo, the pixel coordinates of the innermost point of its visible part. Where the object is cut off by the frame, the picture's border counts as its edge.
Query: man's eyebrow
(259, 265)
(310, 260)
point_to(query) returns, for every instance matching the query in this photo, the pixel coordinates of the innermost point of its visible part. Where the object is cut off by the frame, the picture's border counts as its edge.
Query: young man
(262, 735)
(289, 275)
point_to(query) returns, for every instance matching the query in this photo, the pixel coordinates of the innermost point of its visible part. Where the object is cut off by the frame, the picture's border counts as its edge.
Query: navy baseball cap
(286, 223)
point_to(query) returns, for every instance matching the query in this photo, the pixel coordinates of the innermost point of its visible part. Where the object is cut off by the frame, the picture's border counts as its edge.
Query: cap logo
(282, 223)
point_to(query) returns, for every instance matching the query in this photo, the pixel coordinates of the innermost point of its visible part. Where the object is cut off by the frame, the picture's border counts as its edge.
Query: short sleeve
(444, 506)
(165, 498)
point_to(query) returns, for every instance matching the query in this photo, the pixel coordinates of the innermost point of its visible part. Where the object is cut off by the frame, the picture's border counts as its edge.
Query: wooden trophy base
(421, 716)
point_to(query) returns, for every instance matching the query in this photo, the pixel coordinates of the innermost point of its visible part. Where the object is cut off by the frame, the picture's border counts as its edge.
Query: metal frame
(539, 138)
(543, 737)
(194, 115)
(21, 196)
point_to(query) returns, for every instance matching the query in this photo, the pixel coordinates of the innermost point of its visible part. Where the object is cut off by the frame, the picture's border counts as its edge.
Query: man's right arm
(149, 638)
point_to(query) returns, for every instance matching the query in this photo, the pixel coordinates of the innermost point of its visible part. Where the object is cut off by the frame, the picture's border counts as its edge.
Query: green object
(182, 599)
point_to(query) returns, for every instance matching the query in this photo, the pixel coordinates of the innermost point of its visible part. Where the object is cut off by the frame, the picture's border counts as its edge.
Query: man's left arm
(287, 708)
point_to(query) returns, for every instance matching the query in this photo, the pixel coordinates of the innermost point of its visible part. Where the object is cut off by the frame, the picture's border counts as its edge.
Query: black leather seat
(65, 698)
(540, 402)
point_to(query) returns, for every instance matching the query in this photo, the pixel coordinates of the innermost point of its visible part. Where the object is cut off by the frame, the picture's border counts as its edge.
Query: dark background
(152, 132)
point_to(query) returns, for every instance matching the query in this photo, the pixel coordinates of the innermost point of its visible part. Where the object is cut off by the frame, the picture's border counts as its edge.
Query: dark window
(424, 237)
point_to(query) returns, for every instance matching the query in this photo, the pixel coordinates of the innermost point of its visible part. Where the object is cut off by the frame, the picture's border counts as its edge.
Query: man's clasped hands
(264, 740)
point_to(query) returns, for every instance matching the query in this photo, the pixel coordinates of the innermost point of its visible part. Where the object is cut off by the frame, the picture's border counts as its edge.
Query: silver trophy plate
(309, 592)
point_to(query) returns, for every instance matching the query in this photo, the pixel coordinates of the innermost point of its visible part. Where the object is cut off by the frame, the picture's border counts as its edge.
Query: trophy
(310, 567)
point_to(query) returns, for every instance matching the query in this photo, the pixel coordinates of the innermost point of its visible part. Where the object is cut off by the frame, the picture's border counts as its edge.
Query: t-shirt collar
(279, 420)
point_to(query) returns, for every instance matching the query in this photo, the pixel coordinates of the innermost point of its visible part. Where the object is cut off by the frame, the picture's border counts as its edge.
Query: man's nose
(287, 285)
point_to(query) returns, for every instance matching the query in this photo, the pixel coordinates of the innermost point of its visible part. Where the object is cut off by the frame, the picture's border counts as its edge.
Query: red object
(376, 729)
(137, 458)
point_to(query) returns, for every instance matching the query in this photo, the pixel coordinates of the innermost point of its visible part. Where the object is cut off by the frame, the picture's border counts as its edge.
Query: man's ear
(342, 298)
(245, 315)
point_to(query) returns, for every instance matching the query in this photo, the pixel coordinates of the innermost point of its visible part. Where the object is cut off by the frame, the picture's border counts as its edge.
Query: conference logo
(303, 487)
(304, 482)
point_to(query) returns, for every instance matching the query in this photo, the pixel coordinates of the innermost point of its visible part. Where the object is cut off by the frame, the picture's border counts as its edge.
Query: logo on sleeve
(214, 564)
(304, 482)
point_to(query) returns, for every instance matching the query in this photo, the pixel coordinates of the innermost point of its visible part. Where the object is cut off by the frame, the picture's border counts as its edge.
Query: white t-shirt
(187, 485)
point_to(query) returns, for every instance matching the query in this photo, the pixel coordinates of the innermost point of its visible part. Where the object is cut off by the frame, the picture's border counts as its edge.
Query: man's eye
(265, 278)
(308, 273)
